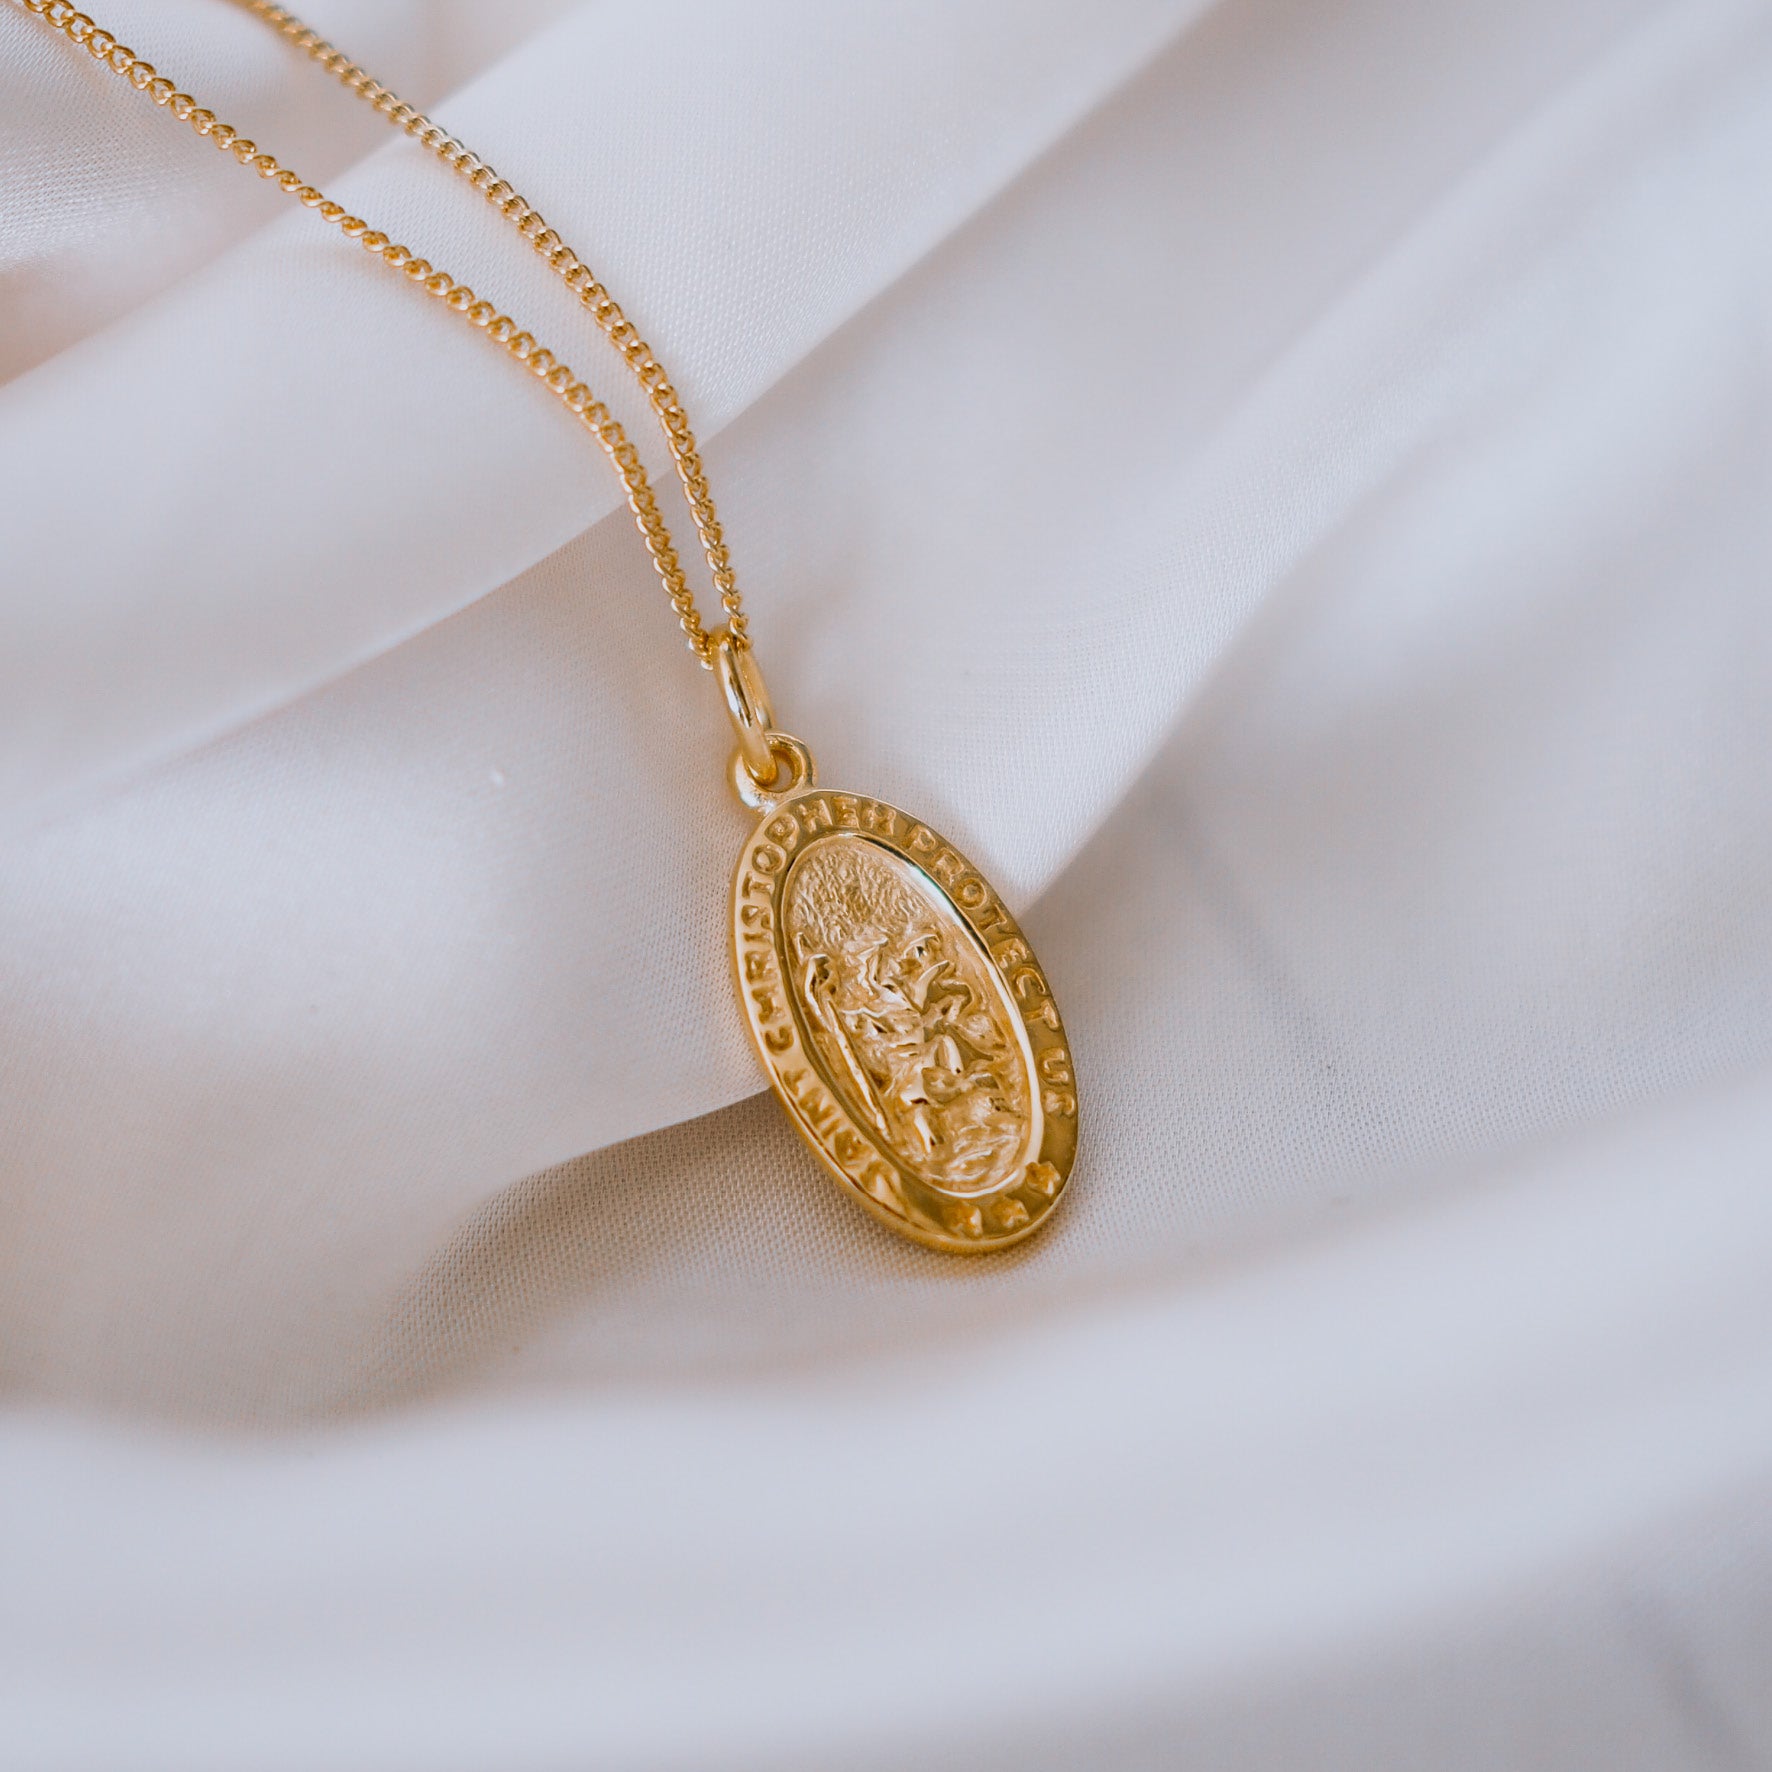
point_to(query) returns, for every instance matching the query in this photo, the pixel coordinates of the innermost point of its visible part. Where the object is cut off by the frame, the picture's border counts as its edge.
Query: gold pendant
(897, 1008)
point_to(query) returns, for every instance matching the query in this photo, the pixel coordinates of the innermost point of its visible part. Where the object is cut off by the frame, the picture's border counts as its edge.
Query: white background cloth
(1285, 487)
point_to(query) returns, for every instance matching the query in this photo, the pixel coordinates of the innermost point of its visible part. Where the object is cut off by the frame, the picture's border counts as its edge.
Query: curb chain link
(102, 45)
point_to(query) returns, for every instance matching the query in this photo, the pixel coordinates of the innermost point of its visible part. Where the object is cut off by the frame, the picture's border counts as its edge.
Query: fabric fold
(1299, 524)
(294, 361)
(454, 918)
(1361, 1452)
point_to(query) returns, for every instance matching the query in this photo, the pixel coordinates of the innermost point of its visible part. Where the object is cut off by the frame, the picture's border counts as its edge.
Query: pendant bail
(768, 765)
(747, 701)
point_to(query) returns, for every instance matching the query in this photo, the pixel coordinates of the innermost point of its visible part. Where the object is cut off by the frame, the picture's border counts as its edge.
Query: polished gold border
(889, 1187)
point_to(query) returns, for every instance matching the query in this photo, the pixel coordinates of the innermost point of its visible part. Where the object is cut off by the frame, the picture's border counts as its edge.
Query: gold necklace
(898, 1011)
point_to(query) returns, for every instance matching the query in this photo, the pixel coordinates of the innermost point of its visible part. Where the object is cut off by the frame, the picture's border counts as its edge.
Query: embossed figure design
(898, 1010)
(903, 1020)
(907, 1021)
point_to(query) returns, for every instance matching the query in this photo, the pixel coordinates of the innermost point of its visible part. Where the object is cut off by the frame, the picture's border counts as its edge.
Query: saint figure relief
(905, 1016)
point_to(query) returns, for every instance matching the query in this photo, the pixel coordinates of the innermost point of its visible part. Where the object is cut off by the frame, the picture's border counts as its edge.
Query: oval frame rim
(813, 815)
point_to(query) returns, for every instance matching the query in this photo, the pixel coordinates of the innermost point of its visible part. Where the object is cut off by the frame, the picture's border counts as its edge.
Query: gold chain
(554, 374)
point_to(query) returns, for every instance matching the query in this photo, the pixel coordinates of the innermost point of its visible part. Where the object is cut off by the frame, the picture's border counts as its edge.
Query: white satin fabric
(1286, 487)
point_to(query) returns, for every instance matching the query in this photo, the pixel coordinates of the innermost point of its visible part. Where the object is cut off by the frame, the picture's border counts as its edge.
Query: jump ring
(791, 769)
(747, 701)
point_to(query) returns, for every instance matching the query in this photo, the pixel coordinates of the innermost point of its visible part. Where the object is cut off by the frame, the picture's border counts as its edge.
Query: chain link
(554, 374)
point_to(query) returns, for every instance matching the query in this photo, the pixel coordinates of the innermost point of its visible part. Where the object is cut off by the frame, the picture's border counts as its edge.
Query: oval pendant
(903, 1021)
